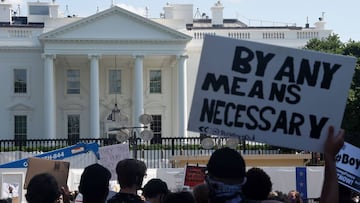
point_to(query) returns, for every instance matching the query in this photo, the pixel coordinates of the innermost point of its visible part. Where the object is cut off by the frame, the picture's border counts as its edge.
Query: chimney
(40, 11)
(179, 12)
(307, 25)
(54, 10)
(168, 11)
(217, 15)
(321, 23)
(5, 13)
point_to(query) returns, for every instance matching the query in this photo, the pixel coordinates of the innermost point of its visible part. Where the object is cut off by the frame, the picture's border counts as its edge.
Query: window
(155, 81)
(114, 81)
(73, 128)
(20, 130)
(20, 78)
(73, 81)
(156, 128)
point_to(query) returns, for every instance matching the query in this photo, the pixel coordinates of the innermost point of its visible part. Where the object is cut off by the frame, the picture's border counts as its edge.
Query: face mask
(226, 192)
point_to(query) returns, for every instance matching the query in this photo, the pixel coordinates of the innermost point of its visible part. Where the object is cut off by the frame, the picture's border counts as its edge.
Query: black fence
(155, 155)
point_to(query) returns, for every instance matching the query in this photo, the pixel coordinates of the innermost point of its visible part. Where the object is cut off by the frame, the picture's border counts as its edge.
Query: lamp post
(130, 133)
(124, 133)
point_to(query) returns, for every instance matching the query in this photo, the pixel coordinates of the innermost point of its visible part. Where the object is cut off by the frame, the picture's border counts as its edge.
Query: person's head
(130, 173)
(201, 193)
(226, 165)
(225, 175)
(179, 197)
(94, 183)
(258, 184)
(155, 190)
(292, 194)
(42, 188)
(294, 197)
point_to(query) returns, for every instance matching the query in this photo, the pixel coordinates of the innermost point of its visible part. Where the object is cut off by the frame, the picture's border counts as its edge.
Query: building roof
(114, 23)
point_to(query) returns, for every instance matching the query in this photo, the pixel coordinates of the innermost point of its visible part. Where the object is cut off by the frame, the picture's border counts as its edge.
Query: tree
(351, 120)
(331, 44)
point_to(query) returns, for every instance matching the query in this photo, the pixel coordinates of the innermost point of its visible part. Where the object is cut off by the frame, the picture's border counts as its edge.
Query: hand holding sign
(333, 144)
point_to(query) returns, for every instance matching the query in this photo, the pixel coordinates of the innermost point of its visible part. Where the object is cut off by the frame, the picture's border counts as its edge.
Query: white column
(94, 96)
(182, 96)
(138, 99)
(49, 97)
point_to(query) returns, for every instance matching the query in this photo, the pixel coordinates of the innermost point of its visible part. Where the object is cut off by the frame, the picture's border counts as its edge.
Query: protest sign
(9, 190)
(194, 175)
(280, 96)
(174, 177)
(111, 155)
(348, 166)
(59, 169)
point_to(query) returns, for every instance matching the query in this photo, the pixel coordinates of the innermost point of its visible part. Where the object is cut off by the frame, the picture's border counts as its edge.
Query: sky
(340, 16)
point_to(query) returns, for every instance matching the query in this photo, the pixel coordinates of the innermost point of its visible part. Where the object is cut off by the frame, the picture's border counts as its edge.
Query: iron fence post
(135, 144)
(172, 147)
(244, 145)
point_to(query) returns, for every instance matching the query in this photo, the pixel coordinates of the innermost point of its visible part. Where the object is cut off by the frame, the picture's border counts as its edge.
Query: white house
(63, 76)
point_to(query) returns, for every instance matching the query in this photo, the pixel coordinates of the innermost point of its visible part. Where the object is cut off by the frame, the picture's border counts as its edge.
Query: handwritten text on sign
(194, 175)
(111, 155)
(281, 96)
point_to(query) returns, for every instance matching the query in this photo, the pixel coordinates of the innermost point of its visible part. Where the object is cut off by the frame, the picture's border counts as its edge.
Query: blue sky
(341, 16)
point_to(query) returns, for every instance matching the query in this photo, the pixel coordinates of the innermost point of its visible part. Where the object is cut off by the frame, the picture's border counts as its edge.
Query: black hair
(94, 183)
(226, 163)
(42, 188)
(155, 187)
(201, 193)
(130, 172)
(258, 184)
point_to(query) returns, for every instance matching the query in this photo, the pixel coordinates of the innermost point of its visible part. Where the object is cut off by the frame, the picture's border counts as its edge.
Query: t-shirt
(125, 198)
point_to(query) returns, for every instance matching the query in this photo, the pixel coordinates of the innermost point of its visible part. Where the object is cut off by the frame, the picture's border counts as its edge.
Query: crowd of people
(226, 181)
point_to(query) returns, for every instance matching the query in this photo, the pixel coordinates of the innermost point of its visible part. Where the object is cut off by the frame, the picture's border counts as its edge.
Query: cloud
(139, 11)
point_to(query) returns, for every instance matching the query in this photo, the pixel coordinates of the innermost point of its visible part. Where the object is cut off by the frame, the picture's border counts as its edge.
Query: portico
(115, 39)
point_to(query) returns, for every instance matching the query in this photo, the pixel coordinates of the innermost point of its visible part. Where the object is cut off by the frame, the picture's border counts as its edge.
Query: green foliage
(331, 44)
(351, 120)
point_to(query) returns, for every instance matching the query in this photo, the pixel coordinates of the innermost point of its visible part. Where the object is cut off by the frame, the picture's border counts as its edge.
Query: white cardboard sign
(348, 166)
(281, 96)
(111, 155)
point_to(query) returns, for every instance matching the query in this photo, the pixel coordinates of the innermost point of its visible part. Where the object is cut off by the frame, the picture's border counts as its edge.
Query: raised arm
(333, 144)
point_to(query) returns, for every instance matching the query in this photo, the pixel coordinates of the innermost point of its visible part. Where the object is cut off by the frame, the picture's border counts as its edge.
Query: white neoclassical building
(79, 77)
